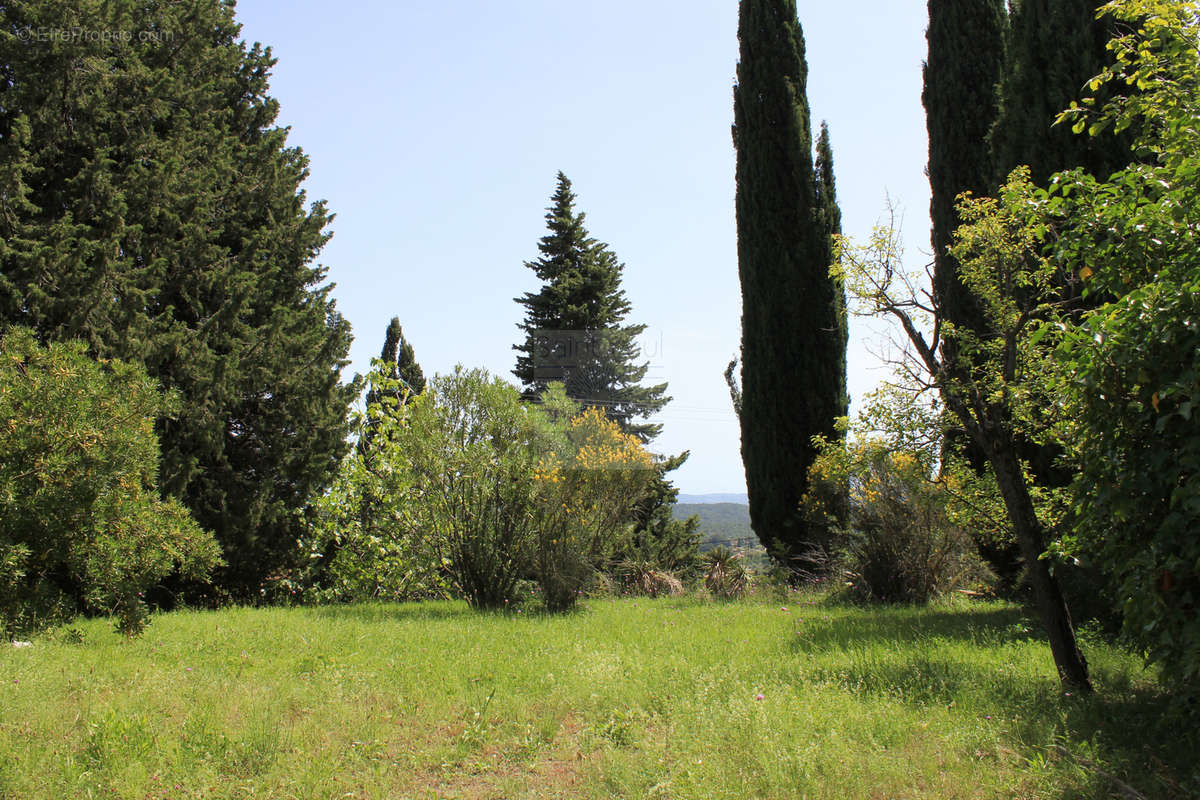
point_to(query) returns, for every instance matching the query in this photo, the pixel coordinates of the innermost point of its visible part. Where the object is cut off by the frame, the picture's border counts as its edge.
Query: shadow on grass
(438, 610)
(1130, 729)
(986, 625)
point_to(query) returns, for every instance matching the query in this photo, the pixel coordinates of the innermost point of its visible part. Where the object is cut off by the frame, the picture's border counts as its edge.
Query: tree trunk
(1051, 605)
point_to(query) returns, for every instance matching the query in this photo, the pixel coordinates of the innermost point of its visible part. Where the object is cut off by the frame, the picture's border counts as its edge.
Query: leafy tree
(793, 311)
(994, 389)
(574, 325)
(81, 523)
(152, 208)
(1128, 378)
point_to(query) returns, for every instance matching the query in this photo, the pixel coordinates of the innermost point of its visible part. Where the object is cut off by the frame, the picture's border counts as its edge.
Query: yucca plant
(725, 577)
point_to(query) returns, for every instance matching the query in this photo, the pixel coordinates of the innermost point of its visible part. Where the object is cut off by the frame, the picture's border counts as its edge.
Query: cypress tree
(398, 355)
(1054, 48)
(793, 313)
(961, 74)
(574, 331)
(152, 207)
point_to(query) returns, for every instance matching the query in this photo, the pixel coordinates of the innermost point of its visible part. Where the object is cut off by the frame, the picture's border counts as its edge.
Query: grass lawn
(630, 698)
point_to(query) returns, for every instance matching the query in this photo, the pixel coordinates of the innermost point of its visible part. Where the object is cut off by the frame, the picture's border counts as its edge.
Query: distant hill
(713, 498)
(720, 523)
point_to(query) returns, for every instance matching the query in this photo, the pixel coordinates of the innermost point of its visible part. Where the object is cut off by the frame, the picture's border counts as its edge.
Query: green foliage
(904, 540)
(468, 486)
(152, 208)
(1129, 368)
(81, 524)
(793, 382)
(471, 450)
(362, 542)
(573, 326)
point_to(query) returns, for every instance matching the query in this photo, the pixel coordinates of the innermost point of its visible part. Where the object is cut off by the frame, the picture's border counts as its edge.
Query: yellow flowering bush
(585, 491)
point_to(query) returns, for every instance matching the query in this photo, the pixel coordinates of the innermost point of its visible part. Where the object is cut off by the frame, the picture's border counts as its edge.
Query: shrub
(362, 542)
(82, 526)
(725, 576)
(466, 485)
(471, 451)
(586, 491)
(901, 542)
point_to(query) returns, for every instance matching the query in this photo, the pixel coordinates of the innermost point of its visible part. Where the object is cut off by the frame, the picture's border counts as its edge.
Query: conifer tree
(1054, 48)
(574, 325)
(398, 355)
(961, 75)
(152, 207)
(793, 313)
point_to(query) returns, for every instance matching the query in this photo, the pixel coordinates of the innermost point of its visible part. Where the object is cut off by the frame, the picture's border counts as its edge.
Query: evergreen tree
(1054, 48)
(397, 355)
(961, 74)
(574, 331)
(961, 79)
(152, 207)
(793, 313)
(658, 538)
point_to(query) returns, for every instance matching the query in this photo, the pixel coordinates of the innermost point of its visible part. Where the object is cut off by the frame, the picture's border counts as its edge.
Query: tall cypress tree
(1054, 48)
(793, 313)
(152, 207)
(574, 325)
(961, 75)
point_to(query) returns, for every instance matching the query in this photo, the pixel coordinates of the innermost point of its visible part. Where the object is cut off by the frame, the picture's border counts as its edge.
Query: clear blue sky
(435, 131)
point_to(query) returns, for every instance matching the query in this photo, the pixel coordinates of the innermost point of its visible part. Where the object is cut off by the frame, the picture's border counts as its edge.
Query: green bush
(362, 542)
(471, 450)
(81, 524)
(467, 487)
(1130, 368)
(901, 541)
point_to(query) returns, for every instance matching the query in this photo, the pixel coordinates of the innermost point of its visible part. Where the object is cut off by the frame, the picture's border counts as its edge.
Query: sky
(435, 132)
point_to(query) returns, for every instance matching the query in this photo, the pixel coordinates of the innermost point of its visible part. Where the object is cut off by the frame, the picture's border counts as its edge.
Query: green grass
(626, 698)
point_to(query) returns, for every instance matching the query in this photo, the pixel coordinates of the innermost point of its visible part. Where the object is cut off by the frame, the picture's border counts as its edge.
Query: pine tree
(1054, 48)
(574, 331)
(961, 75)
(793, 313)
(152, 207)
